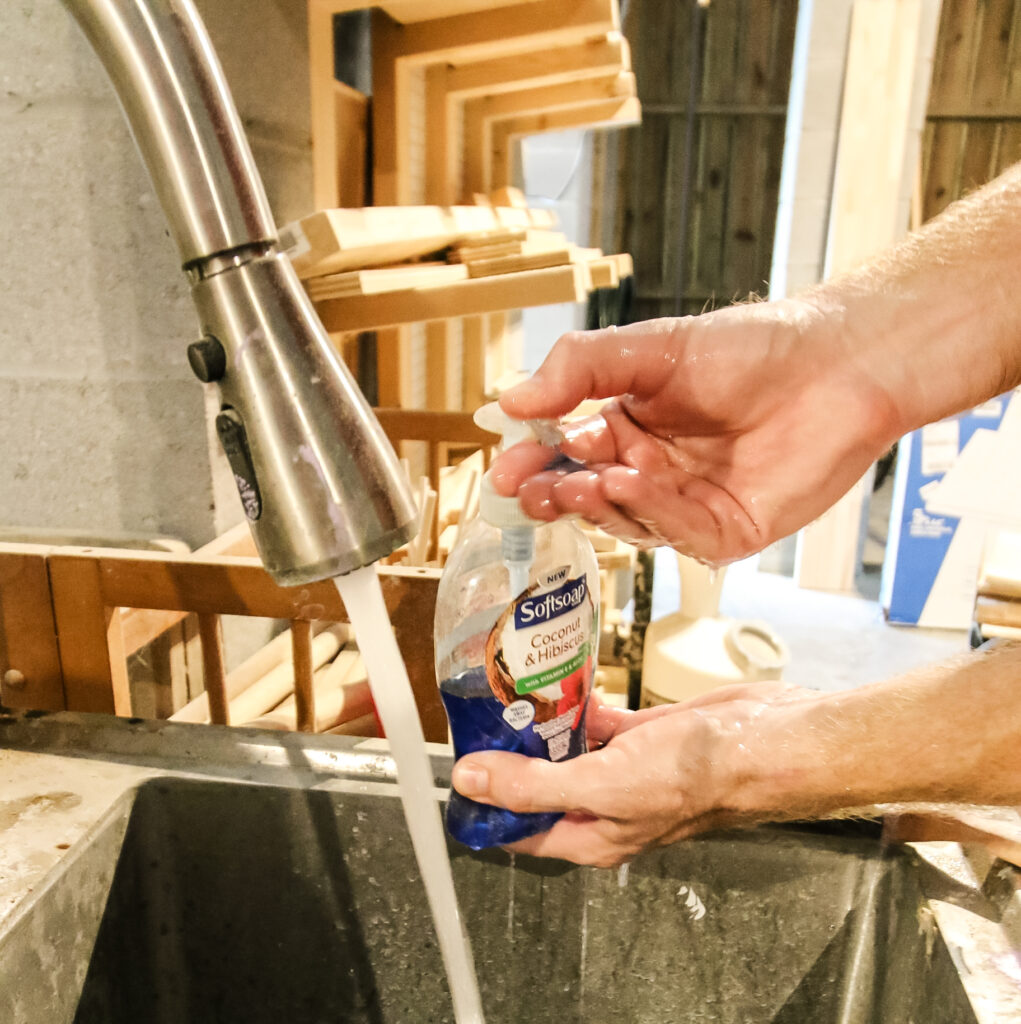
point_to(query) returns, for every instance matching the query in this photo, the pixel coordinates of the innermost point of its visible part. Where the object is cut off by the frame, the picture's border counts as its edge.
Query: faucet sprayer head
(318, 480)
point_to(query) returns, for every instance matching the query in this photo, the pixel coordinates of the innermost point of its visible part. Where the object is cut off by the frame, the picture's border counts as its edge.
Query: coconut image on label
(539, 660)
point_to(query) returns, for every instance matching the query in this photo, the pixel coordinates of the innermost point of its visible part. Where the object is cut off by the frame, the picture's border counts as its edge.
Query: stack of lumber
(384, 266)
(260, 691)
(998, 598)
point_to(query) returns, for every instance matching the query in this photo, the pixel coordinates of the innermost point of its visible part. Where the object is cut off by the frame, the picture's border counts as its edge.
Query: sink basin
(222, 901)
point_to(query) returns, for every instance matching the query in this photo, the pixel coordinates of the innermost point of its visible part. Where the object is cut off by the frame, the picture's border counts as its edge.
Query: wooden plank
(606, 114)
(388, 362)
(438, 363)
(388, 279)
(82, 619)
(29, 654)
(141, 626)
(524, 261)
(407, 11)
(434, 427)
(594, 57)
(466, 298)
(304, 670)
(522, 27)
(988, 89)
(441, 177)
(880, 78)
(226, 585)
(411, 614)
(473, 366)
(953, 68)
(604, 272)
(385, 129)
(213, 673)
(351, 127)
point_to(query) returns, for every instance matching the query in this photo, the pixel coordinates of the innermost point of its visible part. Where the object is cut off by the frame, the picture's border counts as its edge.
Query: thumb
(529, 785)
(592, 364)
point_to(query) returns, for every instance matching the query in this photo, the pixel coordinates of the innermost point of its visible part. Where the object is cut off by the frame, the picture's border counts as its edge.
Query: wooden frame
(86, 587)
(449, 88)
(399, 50)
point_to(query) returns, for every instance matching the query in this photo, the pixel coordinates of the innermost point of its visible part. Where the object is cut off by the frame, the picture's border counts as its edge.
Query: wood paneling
(973, 123)
(726, 202)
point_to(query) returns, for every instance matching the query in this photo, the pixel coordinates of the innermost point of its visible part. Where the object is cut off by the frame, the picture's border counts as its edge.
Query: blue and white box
(954, 480)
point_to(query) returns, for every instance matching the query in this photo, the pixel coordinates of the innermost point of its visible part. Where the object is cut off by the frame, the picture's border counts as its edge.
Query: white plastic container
(696, 650)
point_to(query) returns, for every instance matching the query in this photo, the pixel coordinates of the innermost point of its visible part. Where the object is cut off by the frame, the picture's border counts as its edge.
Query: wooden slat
(542, 67)
(880, 78)
(87, 583)
(82, 620)
(953, 68)
(511, 29)
(385, 279)
(304, 670)
(473, 366)
(988, 88)
(351, 120)
(28, 636)
(407, 11)
(466, 298)
(213, 672)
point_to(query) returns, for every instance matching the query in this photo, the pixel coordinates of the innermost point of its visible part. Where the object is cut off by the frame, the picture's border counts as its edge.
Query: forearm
(946, 734)
(938, 317)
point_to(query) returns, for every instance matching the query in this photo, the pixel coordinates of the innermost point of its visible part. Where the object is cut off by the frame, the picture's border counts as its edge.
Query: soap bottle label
(540, 661)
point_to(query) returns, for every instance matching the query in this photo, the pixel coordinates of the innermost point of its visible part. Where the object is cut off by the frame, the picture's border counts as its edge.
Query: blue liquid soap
(477, 723)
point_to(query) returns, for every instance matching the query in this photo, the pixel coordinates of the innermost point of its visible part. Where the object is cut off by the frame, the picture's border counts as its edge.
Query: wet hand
(725, 432)
(660, 775)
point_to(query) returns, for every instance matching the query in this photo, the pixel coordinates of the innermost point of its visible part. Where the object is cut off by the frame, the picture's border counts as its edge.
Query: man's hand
(662, 774)
(727, 431)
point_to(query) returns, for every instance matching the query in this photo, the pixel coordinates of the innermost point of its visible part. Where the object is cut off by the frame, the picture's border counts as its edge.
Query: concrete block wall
(102, 426)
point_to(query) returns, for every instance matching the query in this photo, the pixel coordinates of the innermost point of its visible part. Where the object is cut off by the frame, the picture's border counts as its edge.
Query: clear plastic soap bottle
(516, 635)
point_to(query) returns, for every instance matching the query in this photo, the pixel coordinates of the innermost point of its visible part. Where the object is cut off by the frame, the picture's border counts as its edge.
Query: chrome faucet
(319, 482)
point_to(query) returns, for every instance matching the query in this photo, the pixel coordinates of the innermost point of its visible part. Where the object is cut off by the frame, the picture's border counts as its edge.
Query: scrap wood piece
(384, 279)
(341, 694)
(339, 240)
(278, 684)
(513, 264)
(997, 611)
(592, 57)
(464, 298)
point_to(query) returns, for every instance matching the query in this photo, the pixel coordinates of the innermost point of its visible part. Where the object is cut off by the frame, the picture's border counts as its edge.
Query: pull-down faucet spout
(318, 480)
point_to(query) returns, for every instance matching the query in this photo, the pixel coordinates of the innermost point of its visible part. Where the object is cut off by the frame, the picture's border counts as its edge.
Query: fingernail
(470, 780)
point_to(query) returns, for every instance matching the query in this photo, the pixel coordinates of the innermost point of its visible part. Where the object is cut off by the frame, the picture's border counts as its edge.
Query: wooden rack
(69, 616)
(456, 84)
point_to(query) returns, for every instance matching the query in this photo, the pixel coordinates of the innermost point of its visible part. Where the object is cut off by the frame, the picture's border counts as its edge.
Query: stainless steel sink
(291, 898)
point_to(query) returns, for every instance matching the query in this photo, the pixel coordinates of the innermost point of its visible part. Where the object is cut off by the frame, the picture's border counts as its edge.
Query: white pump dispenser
(517, 530)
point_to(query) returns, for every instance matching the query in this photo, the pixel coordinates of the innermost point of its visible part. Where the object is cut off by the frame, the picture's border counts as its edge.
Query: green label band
(552, 675)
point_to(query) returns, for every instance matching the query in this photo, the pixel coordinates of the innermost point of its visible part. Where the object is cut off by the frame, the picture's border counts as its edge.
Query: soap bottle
(516, 635)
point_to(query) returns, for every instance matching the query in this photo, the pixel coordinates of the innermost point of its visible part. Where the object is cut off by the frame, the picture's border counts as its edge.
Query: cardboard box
(954, 479)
